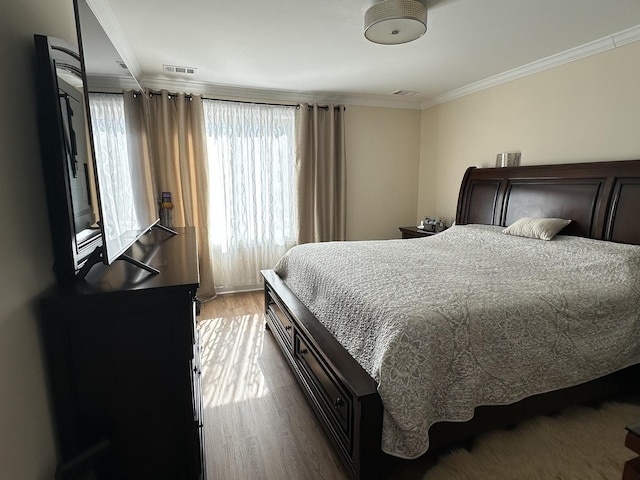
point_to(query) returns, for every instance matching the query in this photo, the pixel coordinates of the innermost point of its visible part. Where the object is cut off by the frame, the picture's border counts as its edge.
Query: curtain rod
(190, 96)
(135, 92)
(297, 105)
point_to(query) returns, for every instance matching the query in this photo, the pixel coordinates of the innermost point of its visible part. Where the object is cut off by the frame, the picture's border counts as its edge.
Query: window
(251, 161)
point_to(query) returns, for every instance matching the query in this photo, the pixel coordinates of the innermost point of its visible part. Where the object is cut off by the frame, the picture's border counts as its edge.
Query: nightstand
(414, 232)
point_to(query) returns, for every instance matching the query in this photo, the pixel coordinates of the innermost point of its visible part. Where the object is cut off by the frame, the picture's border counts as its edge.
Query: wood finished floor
(258, 424)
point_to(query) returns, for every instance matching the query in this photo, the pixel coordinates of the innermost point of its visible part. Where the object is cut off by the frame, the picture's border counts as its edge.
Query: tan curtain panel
(136, 115)
(178, 148)
(320, 173)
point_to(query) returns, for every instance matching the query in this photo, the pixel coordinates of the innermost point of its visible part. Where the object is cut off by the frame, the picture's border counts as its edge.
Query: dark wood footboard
(340, 391)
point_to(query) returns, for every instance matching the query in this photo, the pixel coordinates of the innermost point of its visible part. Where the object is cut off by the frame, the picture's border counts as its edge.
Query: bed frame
(603, 201)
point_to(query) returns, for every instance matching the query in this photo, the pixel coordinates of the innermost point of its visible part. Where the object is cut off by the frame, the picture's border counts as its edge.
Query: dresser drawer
(335, 401)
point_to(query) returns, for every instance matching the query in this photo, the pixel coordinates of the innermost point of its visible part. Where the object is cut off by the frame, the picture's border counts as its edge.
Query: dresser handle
(304, 351)
(337, 403)
(288, 327)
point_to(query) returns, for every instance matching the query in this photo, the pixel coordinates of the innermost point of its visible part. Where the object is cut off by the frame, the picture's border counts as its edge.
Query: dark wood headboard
(602, 199)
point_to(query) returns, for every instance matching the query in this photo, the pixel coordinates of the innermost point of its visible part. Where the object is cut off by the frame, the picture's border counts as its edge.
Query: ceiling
(301, 48)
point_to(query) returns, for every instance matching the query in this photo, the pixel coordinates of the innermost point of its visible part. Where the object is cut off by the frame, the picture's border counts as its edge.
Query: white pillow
(531, 227)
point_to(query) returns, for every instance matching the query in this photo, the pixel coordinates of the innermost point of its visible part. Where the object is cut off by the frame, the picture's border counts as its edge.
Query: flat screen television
(66, 162)
(95, 154)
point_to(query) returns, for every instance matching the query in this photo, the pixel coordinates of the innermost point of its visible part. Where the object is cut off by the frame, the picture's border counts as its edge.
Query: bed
(361, 360)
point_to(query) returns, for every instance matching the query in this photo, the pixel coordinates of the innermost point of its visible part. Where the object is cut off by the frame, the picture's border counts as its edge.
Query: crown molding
(592, 48)
(232, 92)
(626, 36)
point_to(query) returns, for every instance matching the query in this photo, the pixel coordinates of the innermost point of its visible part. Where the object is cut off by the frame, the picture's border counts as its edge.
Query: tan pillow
(542, 228)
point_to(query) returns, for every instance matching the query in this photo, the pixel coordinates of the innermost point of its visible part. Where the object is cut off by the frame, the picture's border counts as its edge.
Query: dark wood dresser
(123, 354)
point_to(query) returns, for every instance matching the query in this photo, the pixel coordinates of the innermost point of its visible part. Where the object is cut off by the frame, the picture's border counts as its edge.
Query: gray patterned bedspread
(471, 317)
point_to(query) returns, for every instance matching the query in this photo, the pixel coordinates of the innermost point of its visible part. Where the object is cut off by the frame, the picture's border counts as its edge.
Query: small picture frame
(508, 159)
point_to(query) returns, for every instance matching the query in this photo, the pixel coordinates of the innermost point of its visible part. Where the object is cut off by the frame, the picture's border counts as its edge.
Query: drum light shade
(392, 22)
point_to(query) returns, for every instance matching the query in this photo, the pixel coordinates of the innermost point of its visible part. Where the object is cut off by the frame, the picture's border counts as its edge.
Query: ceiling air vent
(122, 64)
(404, 93)
(177, 69)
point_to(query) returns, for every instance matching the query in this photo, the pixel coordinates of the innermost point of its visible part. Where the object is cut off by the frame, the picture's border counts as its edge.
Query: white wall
(26, 440)
(383, 151)
(584, 111)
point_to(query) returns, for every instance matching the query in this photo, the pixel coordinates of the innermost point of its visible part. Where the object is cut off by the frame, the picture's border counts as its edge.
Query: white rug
(580, 444)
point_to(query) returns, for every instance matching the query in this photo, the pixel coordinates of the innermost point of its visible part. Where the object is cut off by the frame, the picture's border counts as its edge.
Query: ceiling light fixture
(392, 22)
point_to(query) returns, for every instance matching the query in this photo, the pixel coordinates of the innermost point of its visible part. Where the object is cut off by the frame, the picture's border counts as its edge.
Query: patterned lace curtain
(252, 215)
(110, 143)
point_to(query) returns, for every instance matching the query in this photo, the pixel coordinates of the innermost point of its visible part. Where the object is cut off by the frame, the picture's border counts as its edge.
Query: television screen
(117, 119)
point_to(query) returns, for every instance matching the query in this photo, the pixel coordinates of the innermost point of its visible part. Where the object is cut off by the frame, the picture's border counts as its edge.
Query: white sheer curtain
(251, 159)
(110, 142)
